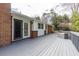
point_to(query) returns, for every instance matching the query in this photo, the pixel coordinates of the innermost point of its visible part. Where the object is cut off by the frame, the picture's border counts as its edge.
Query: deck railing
(74, 37)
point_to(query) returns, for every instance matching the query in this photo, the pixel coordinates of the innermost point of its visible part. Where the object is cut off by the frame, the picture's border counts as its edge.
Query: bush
(64, 26)
(66, 29)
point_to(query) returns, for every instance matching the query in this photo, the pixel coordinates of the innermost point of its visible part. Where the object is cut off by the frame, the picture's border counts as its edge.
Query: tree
(74, 7)
(66, 18)
(58, 20)
(75, 21)
(71, 6)
(54, 19)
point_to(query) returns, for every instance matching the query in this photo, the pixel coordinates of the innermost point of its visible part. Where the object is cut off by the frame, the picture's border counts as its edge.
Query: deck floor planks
(73, 49)
(61, 47)
(57, 48)
(50, 48)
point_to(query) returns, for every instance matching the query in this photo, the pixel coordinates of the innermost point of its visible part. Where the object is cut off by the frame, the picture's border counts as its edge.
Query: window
(40, 26)
(25, 29)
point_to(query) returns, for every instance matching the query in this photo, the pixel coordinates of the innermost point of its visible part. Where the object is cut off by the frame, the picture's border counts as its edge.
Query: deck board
(61, 47)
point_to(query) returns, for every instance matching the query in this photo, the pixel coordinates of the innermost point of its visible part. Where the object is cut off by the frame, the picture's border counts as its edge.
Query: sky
(33, 8)
(37, 7)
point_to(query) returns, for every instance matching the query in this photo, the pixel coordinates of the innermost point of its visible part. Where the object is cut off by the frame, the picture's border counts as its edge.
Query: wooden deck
(50, 45)
(60, 47)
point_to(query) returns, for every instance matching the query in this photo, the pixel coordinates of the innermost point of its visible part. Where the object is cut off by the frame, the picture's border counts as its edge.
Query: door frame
(13, 39)
(23, 30)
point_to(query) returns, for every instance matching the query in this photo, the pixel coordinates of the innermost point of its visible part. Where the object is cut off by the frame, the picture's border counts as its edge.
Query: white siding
(35, 28)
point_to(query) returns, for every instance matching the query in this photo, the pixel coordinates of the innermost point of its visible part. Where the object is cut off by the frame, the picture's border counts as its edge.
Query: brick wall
(5, 24)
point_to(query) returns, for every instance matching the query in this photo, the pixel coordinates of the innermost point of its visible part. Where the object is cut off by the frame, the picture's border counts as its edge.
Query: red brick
(5, 24)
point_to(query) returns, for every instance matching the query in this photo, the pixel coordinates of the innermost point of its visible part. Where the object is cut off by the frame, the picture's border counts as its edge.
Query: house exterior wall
(25, 20)
(35, 28)
(5, 24)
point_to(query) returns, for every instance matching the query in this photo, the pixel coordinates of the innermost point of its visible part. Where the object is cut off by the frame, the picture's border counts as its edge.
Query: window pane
(42, 26)
(38, 25)
(25, 29)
